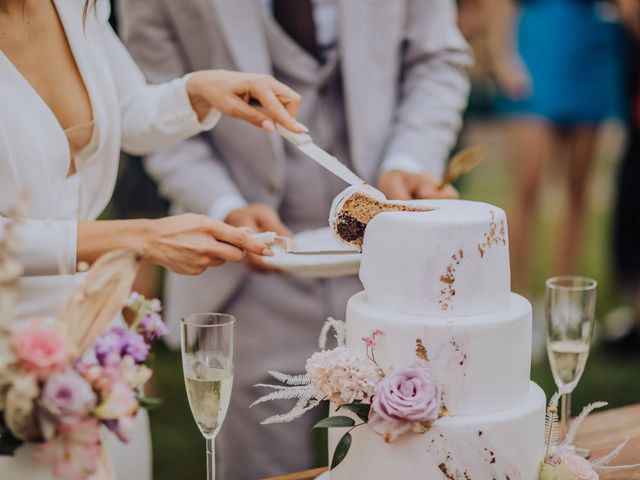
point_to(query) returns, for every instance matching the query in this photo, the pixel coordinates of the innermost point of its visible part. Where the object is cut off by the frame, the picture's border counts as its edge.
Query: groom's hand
(258, 218)
(399, 185)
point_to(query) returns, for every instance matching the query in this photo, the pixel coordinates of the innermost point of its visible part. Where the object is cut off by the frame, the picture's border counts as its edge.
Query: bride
(70, 99)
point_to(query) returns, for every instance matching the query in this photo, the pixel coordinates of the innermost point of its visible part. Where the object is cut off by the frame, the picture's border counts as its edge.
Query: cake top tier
(452, 258)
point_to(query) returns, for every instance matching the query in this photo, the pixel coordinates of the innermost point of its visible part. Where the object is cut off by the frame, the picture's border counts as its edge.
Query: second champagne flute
(570, 311)
(207, 364)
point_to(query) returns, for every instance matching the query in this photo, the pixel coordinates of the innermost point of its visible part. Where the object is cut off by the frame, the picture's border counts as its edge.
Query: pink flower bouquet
(62, 380)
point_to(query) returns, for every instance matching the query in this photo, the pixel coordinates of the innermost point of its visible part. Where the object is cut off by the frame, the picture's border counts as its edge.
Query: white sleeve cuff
(48, 247)
(226, 204)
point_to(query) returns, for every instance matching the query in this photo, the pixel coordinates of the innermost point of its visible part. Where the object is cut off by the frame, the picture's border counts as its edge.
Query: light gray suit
(400, 83)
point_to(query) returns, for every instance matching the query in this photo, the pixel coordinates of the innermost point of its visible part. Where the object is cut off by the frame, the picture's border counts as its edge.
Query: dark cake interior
(358, 210)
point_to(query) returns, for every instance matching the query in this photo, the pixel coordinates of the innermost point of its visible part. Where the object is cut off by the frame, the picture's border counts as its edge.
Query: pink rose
(40, 350)
(579, 467)
(405, 397)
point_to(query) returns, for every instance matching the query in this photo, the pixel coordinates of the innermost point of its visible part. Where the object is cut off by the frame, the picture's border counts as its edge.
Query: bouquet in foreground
(62, 379)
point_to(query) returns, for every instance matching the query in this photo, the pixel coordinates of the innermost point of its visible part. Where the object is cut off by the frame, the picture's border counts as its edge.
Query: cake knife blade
(272, 238)
(305, 144)
(323, 252)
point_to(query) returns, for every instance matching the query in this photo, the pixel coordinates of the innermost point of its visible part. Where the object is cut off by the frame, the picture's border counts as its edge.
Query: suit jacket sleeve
(189, 173)
(434, 89)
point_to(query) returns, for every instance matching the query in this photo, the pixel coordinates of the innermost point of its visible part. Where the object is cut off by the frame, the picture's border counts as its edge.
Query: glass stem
(565, 414)
(211, 459)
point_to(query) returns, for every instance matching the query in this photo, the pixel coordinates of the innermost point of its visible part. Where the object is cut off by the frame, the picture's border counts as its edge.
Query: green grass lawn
(179, 448)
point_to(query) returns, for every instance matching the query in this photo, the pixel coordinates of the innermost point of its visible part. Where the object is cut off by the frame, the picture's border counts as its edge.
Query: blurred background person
(623, 323)
(558, 68)
(383, 86)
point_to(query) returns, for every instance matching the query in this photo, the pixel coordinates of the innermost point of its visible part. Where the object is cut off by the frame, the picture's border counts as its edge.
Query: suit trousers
(278, 325)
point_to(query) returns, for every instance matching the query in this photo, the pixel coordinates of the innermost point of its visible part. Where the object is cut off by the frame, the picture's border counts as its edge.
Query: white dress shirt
(34, 152)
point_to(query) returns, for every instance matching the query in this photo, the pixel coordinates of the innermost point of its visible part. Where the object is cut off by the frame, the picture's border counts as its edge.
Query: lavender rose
(66, 397)
(404, 398)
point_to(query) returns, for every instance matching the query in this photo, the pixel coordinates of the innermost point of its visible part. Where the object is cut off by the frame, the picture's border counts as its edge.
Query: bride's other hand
(190, 243)
(231, 92)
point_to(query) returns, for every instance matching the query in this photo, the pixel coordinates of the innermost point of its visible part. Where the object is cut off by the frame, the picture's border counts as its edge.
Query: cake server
(304, 143)
(272, 238)
(463, 162)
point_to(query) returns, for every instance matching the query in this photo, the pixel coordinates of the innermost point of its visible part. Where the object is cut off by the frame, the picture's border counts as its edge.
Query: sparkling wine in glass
(207, 365)
(570, 303)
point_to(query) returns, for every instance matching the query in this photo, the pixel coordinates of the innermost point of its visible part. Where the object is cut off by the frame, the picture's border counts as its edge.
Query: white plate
(324, 476)
(315, 266)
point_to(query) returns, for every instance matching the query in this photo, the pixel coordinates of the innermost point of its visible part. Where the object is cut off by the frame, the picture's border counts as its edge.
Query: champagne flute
(570, 311)
(207, 364)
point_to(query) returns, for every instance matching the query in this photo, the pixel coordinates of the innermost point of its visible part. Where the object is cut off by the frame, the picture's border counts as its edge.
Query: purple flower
(152, 327)
(66, 398)
(118, 342)
(133, 344)
(109, 345)
(404, 398)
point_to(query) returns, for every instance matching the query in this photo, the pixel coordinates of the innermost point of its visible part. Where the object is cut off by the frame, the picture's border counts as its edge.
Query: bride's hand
(231, 92)
(190, 243)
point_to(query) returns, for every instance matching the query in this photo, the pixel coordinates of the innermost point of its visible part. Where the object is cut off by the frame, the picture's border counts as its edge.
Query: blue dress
(574, 53)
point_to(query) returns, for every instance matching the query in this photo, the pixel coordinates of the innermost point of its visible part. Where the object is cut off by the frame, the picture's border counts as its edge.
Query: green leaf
(360, 409)
(149, 402)
(336, 421)
(341, 450)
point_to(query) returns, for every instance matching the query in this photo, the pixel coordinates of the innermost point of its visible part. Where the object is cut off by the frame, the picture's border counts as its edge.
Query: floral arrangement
(62, 379)
(560, 461)
(392, 403)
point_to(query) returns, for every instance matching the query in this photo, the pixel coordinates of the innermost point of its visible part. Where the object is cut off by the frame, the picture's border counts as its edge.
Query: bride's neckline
(73, 134)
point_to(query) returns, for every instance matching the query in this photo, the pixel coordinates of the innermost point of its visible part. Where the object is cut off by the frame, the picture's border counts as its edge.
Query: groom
(383, 84)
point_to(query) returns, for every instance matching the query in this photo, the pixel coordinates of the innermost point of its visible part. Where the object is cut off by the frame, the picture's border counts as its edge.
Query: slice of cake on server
(430, 379)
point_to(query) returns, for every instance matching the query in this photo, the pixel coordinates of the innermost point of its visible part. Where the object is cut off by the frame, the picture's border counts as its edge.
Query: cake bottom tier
(507, 445)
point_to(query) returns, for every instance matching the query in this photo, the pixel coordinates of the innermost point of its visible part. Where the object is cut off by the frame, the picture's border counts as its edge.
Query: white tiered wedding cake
(441, 277)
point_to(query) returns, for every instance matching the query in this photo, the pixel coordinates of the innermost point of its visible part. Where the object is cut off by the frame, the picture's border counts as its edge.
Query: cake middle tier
(482, 362)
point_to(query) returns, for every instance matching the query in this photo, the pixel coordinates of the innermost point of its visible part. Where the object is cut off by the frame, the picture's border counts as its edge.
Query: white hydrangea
(342, 375)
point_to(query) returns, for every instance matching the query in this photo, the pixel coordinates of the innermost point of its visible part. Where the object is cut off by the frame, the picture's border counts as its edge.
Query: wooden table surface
(600, 432)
